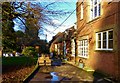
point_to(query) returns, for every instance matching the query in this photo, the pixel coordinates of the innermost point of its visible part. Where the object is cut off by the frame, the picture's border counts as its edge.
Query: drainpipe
(64, 48)
(75, 40)
(75, 50)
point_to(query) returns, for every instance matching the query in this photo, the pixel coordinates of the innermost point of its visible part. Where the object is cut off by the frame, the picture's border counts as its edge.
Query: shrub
(29, 51)
(18, 61)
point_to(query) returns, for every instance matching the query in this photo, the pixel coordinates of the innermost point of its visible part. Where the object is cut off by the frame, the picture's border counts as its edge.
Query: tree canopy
(33, 15)
(8, 33)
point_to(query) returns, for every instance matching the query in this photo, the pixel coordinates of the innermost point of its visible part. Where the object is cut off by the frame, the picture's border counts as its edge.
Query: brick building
(63, 43)
(69, 40)
(98, 35)
(57, 44)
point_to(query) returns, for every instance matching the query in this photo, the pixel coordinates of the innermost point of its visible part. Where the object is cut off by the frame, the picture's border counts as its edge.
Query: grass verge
(27, 79)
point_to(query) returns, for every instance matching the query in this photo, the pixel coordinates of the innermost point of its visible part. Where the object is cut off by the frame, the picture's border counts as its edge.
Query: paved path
(67, 73)
(63, 73)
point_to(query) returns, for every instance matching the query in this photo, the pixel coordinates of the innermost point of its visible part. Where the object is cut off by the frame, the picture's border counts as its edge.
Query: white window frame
(73, 48)
(83, 48)
(107, 40)
(56, 47)
(92, 9)
(81, 11)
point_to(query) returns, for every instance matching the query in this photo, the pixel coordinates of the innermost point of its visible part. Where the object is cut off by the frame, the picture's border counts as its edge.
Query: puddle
(54, 77)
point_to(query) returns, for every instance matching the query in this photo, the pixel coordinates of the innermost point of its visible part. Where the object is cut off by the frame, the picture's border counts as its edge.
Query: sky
(71, 19)
(69, 22)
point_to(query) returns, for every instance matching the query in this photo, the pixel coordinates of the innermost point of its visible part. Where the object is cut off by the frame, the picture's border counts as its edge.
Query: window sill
(106, 51)
(83, 57)
(81, 19)
(94, 19)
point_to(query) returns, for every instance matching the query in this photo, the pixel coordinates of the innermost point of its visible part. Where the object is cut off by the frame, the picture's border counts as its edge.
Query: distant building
(70, 42)
(57, 44)
(63, 43)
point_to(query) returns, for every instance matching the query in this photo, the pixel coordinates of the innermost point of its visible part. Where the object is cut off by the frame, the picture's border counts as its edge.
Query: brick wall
(118, 40)
(101, 60)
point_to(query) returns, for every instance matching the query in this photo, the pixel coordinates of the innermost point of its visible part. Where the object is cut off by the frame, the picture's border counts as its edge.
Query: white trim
(56, 47)
(107, 40)
(83, 48)
(96, 40)
(101, 40)
(92, 7)
(73, 48)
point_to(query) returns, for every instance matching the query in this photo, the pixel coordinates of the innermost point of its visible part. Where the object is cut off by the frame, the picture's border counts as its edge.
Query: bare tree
(41, 13)
(32, 16)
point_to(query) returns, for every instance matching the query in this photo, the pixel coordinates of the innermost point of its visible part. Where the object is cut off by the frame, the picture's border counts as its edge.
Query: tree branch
(23, 22)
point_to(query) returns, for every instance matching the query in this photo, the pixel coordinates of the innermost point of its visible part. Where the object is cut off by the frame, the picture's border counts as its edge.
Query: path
(62, 73)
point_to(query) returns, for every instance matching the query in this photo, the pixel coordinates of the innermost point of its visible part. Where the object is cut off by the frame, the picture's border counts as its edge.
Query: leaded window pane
(95, 8)
(83, 48)
(99, 36)
(110, 44)
(104, 36)
(95, 11)
(99, 9)
(99, 44)
(95, 2)
(110, 34)
(110, 39)
(104, 44)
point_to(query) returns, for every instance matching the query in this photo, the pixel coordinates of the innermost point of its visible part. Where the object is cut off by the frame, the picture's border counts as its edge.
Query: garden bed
(16, 69)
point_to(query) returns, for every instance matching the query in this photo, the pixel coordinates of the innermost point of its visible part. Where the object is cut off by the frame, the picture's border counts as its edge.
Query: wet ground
(63, 73)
